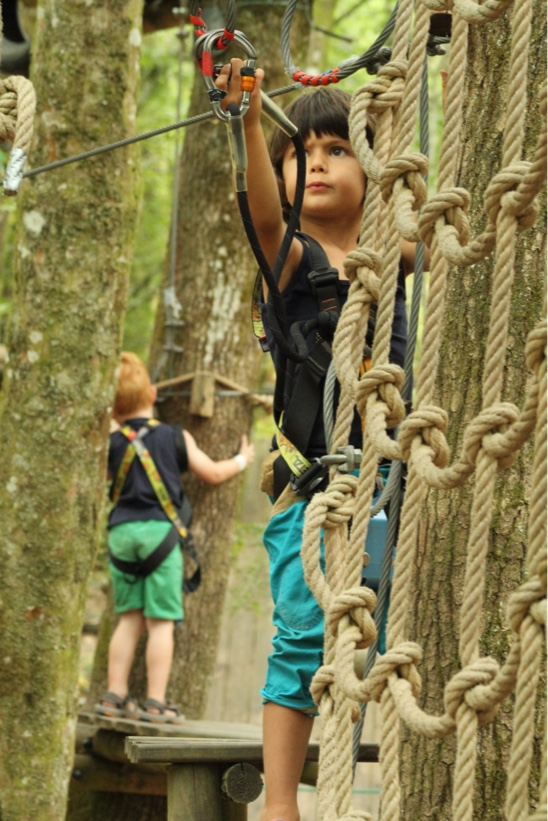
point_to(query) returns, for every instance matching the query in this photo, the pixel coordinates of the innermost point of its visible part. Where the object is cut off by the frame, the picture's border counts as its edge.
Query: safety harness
(179, 533)
(296, 407)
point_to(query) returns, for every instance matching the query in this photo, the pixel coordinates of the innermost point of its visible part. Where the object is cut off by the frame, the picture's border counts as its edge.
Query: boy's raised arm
(262, 186)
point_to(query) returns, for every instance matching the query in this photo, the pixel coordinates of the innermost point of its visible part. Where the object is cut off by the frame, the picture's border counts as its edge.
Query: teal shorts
(298, 618)
(159, 595)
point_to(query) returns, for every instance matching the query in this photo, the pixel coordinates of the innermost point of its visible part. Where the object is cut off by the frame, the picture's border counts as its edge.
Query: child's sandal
(163, 713)
(111, 705)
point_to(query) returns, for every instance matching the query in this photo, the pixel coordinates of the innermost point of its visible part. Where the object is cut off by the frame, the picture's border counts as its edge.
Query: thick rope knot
(355, 815)
(357, 603)
(446, 209)
(338, 500)
(387, 380)
(529, 599)
(401, 660)
(365, 265)
(438, 5)
(486, 431)
(501, 195)
(409, 169)
(323, 679)
(460, 689)
(430, 423)
(386, 90)
(535, 351)
(473, 12)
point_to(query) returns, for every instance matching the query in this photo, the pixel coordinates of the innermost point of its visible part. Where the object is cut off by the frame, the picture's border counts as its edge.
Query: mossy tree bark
(427, 765)
(73, 248)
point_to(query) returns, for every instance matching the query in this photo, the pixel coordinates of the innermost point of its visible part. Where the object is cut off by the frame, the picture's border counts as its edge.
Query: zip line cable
(94, 152)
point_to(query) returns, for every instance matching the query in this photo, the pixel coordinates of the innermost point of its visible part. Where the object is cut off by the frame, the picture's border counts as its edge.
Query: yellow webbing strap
(136, 447)
(298, 464)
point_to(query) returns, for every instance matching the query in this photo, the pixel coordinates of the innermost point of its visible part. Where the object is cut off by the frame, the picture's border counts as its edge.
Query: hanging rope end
(14, 171)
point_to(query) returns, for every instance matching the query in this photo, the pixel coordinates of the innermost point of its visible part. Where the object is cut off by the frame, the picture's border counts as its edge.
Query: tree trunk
(427, 765)
(213, 279)
(74, 243)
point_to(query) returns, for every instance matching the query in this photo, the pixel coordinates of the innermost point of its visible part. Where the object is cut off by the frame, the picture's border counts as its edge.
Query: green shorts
(159, 595)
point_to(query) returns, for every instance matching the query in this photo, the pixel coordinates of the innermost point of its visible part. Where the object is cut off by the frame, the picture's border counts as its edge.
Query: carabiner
(203, 53)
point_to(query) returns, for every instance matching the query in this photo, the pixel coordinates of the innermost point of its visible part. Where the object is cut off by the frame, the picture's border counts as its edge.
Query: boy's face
(335, 181)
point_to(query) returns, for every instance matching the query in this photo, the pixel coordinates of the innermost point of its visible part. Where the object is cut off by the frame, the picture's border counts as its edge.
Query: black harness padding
(306, 395)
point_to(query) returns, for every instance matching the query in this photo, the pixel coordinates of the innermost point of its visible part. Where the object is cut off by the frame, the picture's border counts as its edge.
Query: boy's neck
(141, 413)
(343, 236)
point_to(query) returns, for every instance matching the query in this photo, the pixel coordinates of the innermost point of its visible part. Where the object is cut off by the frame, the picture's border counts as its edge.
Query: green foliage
(158, 106)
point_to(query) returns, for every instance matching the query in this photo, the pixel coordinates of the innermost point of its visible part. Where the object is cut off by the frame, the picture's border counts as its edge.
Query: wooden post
(194, 792)
(202, 398)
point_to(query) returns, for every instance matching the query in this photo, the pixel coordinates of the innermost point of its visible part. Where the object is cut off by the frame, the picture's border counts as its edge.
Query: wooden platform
(212, 779)
(209, 770)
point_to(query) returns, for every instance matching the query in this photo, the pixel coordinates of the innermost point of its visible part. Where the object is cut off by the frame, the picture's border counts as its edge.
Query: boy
(331, 214)
(137, 525)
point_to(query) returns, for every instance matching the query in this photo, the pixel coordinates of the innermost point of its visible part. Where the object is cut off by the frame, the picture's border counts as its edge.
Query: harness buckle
(310, 480)
(347, 459)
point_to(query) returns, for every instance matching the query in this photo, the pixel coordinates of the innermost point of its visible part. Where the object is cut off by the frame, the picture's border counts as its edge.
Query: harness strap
(147, 566)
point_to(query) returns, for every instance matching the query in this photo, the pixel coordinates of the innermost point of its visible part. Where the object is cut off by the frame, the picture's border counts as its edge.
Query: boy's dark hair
(323, 111)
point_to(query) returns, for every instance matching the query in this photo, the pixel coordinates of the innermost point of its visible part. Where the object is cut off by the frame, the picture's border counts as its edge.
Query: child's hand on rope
(230, 81)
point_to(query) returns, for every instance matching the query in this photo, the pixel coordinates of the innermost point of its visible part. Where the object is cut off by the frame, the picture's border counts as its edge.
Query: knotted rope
(17, 107)
(397, 204)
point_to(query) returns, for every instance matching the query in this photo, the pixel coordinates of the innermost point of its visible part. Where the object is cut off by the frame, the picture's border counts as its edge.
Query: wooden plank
(179, 750)
(189, 729)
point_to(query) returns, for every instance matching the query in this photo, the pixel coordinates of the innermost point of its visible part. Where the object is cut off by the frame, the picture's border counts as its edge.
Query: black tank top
(138, 501)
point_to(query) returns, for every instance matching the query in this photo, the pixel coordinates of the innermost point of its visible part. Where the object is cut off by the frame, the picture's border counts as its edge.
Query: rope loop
(460, 689)
(451, 206)
(535, 350)
(499, 196)
(338, 500)
(387, 380)
(358, 604)
(401, 661)
(365, 265)
(324, 678)
(484, 431)
(411, 168)
(430, 423)
(529, 599)
(386, 90)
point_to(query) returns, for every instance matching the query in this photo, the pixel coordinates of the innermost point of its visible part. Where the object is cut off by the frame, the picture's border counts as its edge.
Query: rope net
(397, 205)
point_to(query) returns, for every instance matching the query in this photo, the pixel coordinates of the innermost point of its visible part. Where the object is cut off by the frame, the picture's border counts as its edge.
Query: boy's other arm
(214, 472)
